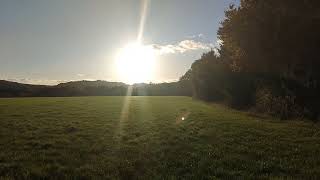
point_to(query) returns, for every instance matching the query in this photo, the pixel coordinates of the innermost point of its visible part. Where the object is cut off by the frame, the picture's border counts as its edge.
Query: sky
(53, 41)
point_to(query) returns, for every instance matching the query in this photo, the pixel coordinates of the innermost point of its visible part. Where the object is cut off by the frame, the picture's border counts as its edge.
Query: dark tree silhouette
(268, 59)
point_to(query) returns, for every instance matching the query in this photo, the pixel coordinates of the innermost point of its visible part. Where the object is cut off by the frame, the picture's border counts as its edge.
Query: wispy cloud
(81, 75)
(197, 36)
(182, 47)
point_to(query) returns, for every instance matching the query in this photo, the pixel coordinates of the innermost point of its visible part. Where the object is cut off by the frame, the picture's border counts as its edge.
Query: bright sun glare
(135, 63)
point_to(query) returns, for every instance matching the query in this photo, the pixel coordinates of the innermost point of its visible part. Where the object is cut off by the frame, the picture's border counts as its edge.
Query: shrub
(282, 106)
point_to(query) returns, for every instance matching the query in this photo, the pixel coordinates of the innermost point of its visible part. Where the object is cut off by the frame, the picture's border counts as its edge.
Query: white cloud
(182, 47)
(193, 45)
(217, 45)
(81, 75)
(200, 35)
(197, 36)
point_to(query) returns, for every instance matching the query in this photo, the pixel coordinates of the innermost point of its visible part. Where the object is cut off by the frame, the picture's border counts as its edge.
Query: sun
(135, 63)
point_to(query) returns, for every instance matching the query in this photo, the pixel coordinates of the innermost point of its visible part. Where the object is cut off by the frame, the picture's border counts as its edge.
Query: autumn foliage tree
(270, 48)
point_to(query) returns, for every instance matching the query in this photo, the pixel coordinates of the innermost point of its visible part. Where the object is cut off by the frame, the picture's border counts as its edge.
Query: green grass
(95, 137)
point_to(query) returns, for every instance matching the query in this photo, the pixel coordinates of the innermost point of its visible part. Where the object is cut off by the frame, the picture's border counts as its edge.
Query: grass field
(146, 137)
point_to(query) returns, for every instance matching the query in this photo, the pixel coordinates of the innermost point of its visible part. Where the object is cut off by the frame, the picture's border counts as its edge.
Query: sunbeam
(126, 104)
(143, 17)
(124, 114)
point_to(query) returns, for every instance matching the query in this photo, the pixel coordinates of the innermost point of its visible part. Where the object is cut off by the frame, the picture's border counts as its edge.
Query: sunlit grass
(89, 137)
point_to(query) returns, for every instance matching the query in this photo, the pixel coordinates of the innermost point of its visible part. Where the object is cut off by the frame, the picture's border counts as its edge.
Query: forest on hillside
(93, 88)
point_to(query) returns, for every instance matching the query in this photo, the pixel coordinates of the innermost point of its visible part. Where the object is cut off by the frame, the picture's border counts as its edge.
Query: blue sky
(50, 41)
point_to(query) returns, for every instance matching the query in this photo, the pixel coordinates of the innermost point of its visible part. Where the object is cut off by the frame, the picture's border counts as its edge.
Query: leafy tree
(268, 47)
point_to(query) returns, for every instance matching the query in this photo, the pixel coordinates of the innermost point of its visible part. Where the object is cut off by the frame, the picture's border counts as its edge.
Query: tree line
(92, 88)
(268, 60)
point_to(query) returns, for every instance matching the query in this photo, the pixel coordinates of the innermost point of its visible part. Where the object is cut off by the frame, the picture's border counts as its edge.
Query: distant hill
(14, 89)
(97, 83)
(90, 88)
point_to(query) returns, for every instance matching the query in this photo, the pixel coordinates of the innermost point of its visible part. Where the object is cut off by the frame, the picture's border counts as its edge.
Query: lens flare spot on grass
(182, 116)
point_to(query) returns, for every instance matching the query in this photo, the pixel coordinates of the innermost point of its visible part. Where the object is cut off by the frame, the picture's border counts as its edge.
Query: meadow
(150, 138)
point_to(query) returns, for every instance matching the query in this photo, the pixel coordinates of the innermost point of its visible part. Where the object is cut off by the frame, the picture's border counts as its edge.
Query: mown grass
(146, 138)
